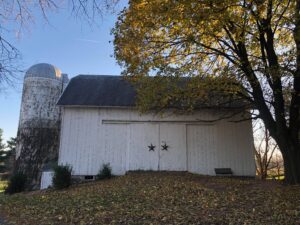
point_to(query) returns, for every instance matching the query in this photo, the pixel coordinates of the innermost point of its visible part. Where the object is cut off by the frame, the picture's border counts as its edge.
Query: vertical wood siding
(142, 136)
(223, 145)
(115, 148)
(91, 137)
(174, 136)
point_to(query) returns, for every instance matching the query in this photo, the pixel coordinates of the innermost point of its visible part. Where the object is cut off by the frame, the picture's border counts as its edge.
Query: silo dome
(44, 70)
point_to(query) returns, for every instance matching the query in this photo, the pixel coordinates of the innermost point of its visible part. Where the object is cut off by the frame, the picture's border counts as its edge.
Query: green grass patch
(276, 177)
(158, 198)
(3, 185)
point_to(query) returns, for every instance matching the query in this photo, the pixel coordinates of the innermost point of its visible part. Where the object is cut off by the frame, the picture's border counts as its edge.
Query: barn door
(172, 147)
(202, 149)
(144, 147)
(115, 146)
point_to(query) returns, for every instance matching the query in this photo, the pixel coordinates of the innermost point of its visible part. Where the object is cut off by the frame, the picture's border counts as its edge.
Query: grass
(276, 178)
(3, 185)
(158, 198)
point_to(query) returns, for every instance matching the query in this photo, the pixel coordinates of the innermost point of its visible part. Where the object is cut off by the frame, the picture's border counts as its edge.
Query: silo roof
(44, 70)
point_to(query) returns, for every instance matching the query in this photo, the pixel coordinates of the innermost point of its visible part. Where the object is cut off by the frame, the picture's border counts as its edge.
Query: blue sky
(71, 45)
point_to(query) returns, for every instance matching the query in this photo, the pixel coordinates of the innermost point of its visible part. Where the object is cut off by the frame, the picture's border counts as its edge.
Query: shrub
(62, 177)
(104, 172)
(16, 183)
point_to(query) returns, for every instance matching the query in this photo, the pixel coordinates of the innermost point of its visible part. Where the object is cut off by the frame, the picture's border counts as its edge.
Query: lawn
(158, 198)
(3, 185)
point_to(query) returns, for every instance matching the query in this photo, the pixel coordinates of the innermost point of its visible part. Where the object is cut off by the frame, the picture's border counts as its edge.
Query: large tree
(254, 43)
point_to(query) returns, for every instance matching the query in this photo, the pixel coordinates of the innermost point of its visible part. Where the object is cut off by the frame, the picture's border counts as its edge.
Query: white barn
(101, 125)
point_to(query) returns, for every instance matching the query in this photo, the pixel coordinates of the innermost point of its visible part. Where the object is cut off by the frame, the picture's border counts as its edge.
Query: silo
(39, 124)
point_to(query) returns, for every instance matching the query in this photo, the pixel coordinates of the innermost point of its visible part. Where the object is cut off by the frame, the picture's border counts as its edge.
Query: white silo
(39, 124)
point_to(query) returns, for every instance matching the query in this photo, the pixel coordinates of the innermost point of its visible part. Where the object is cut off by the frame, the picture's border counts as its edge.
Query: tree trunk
(263, 175)
(291, 157)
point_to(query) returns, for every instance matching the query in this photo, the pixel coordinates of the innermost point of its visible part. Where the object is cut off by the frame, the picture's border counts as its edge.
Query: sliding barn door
(202, 147)
(144, 146)
(115, 147)
(156, 146)
(173, 154)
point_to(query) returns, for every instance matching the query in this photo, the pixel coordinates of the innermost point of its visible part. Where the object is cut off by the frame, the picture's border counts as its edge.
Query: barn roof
(96, 90)
(115, 91)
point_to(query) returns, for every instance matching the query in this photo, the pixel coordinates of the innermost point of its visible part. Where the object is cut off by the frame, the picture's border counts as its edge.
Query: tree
(11, 145)
(3, 153)
(277, 166)
(18, 15)
(7, 154)
(264, 147)
(253, 43)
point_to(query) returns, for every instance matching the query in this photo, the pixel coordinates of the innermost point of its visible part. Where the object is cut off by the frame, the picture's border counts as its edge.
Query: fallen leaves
(158, 198)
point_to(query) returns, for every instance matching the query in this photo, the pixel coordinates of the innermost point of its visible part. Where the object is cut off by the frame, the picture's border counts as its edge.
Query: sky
(70, 44)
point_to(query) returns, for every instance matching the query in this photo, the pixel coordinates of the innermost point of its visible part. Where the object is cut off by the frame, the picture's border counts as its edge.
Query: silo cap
(44, 70)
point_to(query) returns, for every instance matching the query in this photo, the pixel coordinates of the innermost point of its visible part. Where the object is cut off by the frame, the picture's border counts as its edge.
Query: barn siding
(230, 146)
(142, 136)
(174, 136)
(91, 137)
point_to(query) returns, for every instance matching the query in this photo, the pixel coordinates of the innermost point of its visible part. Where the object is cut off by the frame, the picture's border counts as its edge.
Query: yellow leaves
(165, 29)
(203, 38)
(156, 198)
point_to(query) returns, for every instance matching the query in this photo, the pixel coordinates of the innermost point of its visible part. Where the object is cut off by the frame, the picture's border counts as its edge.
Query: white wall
(93, 136)
(46, 179)
(38, 106)
(39, 99)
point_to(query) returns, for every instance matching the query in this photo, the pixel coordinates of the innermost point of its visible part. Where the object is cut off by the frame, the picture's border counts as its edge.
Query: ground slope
(158, 198)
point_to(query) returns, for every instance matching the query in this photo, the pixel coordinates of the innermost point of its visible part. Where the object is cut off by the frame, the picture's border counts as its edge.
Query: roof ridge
(96, 75)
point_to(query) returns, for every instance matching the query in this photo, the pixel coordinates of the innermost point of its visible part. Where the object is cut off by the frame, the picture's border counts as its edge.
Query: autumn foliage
(252, 43)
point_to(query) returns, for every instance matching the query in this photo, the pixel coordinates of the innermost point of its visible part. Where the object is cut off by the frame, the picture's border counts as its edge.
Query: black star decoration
(165, 147)
(151, 147)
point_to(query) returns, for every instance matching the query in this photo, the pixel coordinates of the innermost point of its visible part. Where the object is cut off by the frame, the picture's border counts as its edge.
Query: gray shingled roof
(114, 91)
(96, 90)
